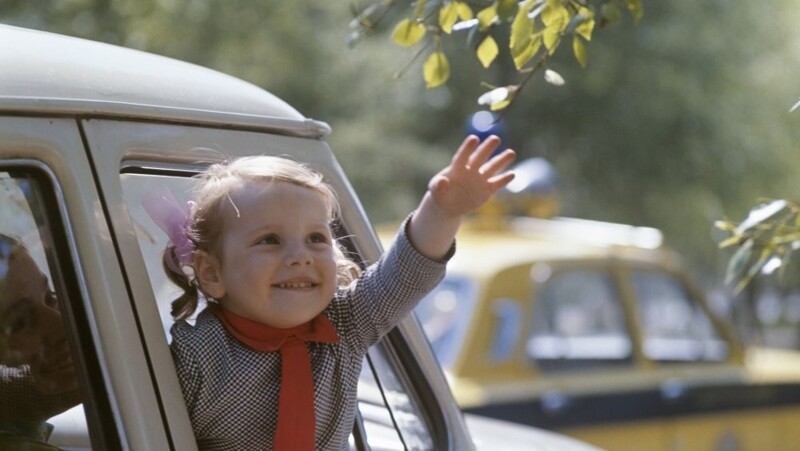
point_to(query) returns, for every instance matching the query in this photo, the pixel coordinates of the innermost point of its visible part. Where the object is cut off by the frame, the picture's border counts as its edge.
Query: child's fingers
(498, 162)
(461, 157)
(483, 152)
(501, 180)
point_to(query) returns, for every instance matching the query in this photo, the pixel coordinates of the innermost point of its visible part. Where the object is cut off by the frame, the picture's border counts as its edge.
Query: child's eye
(318, 238)
(270, 239)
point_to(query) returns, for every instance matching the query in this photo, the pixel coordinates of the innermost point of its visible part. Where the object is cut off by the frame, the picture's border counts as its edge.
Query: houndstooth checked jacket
(231, 391)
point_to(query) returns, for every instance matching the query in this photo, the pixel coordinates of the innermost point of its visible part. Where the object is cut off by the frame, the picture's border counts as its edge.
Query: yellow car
(594, 330)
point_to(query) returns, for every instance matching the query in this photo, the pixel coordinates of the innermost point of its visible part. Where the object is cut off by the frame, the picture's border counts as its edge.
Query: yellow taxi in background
(595, 330)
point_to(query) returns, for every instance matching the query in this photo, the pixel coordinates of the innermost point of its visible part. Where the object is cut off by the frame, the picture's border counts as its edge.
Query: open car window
(389, 418)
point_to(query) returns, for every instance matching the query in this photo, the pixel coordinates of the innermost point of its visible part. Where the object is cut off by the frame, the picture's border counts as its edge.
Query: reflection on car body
(594, 329)
(90, 128)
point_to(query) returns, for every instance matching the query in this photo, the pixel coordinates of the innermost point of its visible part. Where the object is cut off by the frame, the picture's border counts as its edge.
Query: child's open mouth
(295, 285)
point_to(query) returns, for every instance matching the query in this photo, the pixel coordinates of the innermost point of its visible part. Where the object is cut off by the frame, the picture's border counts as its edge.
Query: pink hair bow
(173, 218)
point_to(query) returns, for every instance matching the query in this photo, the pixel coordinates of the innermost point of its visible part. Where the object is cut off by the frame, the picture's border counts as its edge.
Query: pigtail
(185, 304)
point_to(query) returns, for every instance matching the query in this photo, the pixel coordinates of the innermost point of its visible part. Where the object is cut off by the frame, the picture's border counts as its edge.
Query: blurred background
(676, 122)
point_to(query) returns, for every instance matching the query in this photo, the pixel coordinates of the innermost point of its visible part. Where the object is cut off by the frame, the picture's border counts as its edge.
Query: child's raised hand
(472, 176)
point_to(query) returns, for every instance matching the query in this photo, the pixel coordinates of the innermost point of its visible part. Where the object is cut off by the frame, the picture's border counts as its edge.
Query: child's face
(277, 265)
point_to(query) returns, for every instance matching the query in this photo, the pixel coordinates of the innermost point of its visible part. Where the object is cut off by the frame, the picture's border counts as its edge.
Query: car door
(51, 206)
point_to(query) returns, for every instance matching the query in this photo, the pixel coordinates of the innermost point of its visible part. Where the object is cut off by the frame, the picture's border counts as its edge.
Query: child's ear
(207, 270)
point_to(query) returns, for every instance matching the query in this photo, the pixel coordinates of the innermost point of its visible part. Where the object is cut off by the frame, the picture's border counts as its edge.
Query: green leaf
(754, 269)
(727, 226)
(738, 262)
(448, 15)
(732, 241)
(408, 33)
(436, 70)
(636, 8)
(579, 50)
(487, 51)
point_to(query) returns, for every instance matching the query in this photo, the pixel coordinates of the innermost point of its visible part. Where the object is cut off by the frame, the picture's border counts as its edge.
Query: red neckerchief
(296, 415)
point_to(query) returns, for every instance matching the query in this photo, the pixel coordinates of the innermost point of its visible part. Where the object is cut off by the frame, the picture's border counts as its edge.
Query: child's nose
(299, 255)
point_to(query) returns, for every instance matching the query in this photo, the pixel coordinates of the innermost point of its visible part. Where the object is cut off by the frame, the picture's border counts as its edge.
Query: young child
(273, 362)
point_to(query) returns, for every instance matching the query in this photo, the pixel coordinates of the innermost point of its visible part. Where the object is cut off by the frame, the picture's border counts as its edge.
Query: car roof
(484, 250)
(45, 73)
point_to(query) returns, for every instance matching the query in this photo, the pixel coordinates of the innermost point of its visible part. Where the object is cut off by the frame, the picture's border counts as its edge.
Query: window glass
(390, 415)
(578, 322)
(505, 330)
(675, 327)
(40, 400)
(445, 314)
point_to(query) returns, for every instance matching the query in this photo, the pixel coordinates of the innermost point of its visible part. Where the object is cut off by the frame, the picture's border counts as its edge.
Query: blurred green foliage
(764, 242)
(674, 123)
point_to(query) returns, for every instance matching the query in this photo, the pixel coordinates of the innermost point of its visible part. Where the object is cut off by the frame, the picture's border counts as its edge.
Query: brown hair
(206, 219)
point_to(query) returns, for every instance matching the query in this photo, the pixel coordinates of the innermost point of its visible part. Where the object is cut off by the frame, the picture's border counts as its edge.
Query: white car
(87, 129)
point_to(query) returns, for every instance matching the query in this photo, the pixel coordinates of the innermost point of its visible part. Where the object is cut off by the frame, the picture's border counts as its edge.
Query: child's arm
(460, 188)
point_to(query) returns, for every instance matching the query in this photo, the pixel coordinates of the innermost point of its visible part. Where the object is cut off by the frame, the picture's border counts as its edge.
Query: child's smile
(276, 263)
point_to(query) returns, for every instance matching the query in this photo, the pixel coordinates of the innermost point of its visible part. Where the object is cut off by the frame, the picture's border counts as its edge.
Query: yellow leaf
(585, 28)
(464, 11)
(499, 106)
(448, 15)
(553, 16)
(521, 29)
(436, 70)
(487, 51)
(526, 54)
(408, 33)
(551, 37)
(486, 17)
(579, 50)
(522, 43)
(636, 8)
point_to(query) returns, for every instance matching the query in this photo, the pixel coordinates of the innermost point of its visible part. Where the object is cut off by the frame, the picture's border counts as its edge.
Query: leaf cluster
(763, 242)
(535, 30)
